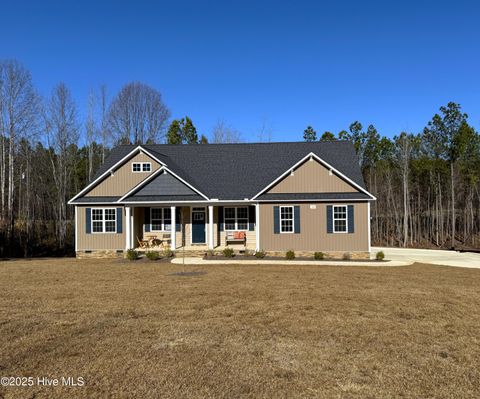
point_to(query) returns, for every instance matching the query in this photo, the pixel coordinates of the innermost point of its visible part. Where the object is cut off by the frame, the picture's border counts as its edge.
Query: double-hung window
(236, 218)
(286, 219)
(161, 219)
(104, 220)
(340, 219)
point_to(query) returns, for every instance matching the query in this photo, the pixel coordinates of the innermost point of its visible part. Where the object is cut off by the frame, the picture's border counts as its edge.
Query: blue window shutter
(88, 220)
(146, 222)
(178, 220)
(329, 219)
(351, 219)
(251, 218)
(276, 220)
(296, 217)
(220, 218)
(119, 220)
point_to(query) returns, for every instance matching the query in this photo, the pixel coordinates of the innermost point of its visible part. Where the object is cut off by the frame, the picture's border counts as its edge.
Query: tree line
(427, 184)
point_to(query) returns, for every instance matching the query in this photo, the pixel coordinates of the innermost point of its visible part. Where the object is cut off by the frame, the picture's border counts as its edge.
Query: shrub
(260, 254)
(319, 255)
(153, 255)
(210, 253)
(132, 254)
(167, 253)
(290, 255)
(347, 256)
(380, 255)
(228, 252)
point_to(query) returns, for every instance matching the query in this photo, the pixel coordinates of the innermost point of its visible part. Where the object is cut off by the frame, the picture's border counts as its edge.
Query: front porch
(191, 228)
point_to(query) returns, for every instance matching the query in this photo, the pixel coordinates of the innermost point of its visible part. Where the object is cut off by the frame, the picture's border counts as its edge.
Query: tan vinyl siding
(123, 179)
(251, 240)
(312, 177)
(98, 241)
(313, 234)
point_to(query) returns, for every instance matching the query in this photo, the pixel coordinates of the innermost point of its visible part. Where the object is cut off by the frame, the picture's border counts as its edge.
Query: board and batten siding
(123, 179)
(313, 234)
(312, 177)
(98, 241)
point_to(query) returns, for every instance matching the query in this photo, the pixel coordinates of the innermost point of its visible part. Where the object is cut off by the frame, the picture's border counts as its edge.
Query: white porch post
(128, 230)
(132, 229)
(210, 226)
(174, 228)
(257, 227)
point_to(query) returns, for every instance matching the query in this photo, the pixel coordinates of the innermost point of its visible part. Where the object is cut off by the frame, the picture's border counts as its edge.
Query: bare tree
(223, 133)
(90, 132)
(104, 120)
(403, 152)
(265, 132)
(138, 115)
(62, 133)
(19, 110)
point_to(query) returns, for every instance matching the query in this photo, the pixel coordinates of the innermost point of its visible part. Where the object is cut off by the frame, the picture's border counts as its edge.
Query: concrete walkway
(239, 261)
(432, 256)
(394, 257)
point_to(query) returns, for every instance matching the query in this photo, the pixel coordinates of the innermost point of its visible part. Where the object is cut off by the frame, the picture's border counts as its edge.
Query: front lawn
(140, 330)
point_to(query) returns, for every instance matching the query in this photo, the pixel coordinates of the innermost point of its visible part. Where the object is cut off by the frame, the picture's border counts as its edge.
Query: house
(266, 196)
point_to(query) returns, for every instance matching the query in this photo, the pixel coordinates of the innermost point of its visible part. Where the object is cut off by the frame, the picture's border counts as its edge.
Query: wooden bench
(235, 237)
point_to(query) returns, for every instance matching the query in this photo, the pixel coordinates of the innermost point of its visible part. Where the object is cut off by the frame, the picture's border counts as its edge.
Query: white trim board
(121, 162)
(311, 155)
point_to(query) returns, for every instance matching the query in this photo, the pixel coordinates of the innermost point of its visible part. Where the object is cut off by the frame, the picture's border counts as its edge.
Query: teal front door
(198, 226)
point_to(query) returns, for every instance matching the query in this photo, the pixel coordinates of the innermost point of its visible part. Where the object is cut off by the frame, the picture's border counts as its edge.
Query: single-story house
(273, 197)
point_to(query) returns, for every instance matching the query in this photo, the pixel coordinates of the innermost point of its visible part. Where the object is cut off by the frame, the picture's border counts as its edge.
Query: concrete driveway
(433, 256)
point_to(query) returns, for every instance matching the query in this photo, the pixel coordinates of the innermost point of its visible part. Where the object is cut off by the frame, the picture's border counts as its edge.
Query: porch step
(189, 253)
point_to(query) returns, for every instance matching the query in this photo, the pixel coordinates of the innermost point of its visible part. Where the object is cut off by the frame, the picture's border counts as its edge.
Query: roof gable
(311, 177)
(163, 184)
(122, 179)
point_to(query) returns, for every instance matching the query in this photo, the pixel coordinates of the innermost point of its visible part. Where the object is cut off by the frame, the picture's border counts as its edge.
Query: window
(161, 219)
(236, 218)
(138, 167)
(340, 219)
(286, 219)
(104, 220)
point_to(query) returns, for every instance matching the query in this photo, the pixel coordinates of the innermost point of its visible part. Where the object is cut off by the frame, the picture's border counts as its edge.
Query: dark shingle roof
(313, 196)
(168, 198)
(97, 199)
(239, 171)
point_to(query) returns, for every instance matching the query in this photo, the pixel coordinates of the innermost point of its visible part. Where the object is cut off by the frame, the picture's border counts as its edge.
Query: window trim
(104, 231)
(141, 167)
(163, 230)
(236, 218)
(334, 218)
(280, 219)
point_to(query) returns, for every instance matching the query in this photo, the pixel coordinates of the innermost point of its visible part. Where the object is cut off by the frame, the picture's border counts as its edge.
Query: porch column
(257, 227)
(128, 229)
(174, 229)
(210, 227)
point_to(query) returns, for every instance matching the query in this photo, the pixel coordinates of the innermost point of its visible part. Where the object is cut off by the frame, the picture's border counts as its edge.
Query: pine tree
(309, 134)
(174, 135)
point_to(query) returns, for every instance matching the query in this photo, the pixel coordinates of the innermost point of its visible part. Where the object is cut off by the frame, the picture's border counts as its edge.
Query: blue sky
(284, 65)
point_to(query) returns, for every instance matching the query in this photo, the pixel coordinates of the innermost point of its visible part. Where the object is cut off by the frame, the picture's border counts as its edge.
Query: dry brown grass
(133, 330)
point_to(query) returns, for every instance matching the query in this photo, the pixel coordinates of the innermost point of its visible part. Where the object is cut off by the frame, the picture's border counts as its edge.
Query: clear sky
(284, 65)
